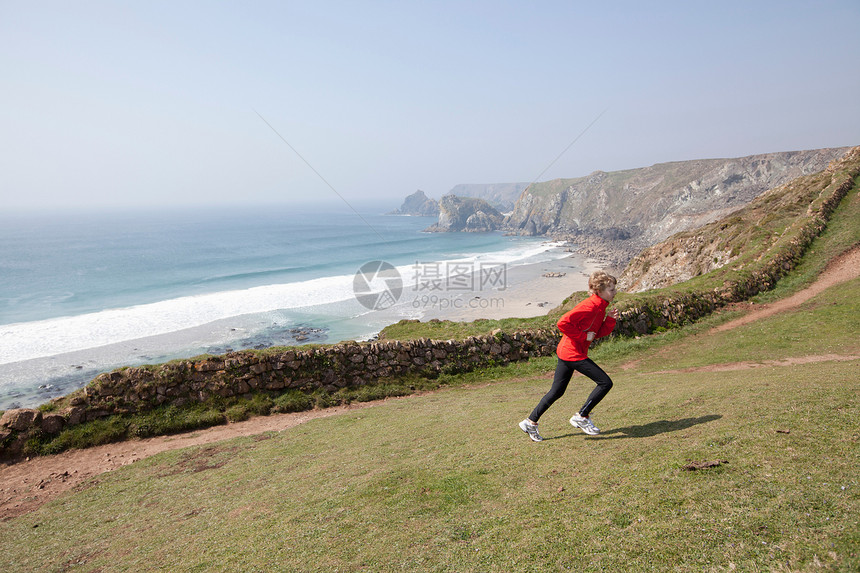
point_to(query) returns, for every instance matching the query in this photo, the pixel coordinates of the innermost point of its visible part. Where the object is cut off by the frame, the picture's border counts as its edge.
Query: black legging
(563, 372)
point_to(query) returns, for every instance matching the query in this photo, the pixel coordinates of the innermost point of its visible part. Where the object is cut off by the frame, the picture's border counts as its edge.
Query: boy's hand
(614, 313)
(589, 336)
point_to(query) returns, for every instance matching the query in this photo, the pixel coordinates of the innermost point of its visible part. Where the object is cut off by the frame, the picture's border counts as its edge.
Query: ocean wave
(253, 274)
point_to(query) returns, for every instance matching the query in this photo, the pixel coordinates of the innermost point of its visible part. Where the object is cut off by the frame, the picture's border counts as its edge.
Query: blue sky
(129, 104)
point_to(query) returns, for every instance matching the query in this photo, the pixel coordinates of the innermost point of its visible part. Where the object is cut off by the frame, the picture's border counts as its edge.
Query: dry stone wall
(133, 390)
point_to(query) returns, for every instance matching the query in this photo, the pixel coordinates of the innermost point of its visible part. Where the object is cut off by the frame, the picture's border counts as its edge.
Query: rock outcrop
(466, 214)
(418, 204)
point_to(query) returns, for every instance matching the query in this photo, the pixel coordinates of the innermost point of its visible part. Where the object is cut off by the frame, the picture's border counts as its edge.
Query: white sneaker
(531, 430)
(584, 424)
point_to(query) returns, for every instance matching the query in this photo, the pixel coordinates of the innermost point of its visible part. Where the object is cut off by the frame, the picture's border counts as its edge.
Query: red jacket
(589, 315)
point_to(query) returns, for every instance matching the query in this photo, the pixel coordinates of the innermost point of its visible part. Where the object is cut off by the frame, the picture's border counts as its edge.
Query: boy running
(579, 327)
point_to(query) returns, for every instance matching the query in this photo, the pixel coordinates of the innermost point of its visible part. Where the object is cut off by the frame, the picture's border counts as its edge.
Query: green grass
(157, 422)
(453, 330)
(447, 482)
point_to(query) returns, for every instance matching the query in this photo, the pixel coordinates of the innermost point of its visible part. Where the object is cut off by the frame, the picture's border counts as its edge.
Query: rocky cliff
(466, 214)
(626, 211)
(502, 196)
(418, 204)
(727, 242)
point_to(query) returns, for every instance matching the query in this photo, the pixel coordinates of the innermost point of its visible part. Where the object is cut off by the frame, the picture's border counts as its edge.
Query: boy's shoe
(531, 430)
(584, 424)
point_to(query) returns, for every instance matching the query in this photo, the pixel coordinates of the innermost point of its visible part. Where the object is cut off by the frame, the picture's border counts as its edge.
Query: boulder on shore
(20, 419)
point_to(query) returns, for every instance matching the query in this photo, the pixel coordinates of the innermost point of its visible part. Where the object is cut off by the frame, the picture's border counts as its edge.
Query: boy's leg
(604, 384)
(563, 372)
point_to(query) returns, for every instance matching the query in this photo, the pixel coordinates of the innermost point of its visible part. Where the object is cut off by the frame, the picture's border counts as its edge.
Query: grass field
(447, 482)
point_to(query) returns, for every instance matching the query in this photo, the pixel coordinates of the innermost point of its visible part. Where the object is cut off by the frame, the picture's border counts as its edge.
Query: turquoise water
(81, 294)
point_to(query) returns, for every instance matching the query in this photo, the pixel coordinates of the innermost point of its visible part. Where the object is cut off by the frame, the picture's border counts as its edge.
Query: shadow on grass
(648, 430)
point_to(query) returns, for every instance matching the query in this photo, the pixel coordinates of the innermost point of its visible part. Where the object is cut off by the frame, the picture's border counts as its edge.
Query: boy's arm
(605, 328)
(570, 324)
(608, 323)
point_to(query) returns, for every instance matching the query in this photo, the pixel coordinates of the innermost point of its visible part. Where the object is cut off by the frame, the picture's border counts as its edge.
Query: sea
(85, 293)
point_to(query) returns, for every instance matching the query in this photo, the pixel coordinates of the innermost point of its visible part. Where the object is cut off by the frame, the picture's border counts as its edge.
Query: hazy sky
(112, 103)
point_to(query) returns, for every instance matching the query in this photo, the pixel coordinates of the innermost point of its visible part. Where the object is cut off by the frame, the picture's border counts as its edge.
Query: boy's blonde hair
(599, 280)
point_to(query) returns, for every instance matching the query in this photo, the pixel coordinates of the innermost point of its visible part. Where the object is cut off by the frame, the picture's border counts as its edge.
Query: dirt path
(841, 269)
(733, 366)
(27, 485)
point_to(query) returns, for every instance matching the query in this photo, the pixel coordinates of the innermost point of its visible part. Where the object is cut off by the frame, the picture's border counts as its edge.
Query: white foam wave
(520, 253)
(24, 341)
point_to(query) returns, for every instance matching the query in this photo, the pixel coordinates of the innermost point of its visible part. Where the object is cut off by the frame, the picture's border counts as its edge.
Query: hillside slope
(738, 240)
(720, 451)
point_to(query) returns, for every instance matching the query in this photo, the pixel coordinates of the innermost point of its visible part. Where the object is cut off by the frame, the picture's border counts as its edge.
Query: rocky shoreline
(611, 255)
(295, 336)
